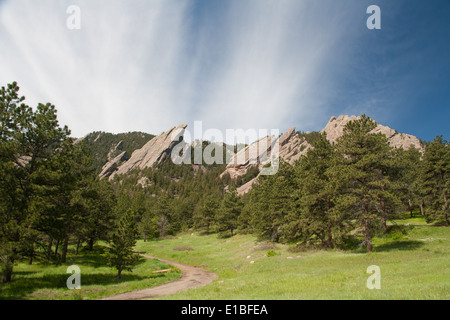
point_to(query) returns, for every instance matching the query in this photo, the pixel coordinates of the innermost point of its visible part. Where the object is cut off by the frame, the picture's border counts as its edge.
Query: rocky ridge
(153, 152)
(292, 146)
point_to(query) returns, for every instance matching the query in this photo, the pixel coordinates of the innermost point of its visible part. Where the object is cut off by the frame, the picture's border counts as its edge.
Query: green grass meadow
(414, 264)
(42, 281)
(413, 258)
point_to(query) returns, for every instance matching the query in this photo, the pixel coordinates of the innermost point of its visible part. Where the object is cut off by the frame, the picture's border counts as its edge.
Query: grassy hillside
(414, 264)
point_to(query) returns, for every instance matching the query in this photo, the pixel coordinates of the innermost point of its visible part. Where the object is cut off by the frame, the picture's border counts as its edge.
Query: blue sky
(147, 65)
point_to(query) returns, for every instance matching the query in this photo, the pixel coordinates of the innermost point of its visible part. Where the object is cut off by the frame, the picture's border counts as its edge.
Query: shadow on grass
(399, 245)
(26, 282)
(23, 284)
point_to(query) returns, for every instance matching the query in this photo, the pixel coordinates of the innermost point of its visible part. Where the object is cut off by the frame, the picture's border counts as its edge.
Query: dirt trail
(191, 277)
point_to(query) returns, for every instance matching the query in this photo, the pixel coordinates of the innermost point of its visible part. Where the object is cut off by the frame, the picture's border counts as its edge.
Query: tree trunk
(49, 250)
(368, 238)
(422, 209)
(330, 238)
(7, 275)
(410, 208)
(383, 213)
(57, 246)
(64, 250)
(145, 236)
(8, 270)
(274, 236)
(446, 210)
(30, 260)
(91, 244)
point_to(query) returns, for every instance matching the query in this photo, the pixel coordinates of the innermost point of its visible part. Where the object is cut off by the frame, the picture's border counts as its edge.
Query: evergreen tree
(407, 176)
(271, 202)
(317, 194)
(120, 254)
(29, 141)
(436, 179)
(205, 214)
(94, 201)
(364, 157)
(229, 211)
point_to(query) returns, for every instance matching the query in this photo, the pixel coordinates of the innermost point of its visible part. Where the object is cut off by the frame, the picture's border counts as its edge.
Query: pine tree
(120, 254)
(436, 179)
(407, 176)
(205, 214)
(317, 194)
(364, 158)
(229, 211)
(271, 201)
(29, 143)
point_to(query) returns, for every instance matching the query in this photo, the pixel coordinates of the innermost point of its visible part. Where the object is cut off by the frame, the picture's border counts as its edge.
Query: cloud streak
(148, 65)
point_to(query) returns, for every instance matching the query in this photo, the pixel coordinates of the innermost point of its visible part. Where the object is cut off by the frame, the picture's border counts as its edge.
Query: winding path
(191, 277)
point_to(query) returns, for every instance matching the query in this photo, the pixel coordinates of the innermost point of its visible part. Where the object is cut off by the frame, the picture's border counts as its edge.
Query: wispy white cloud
(148, 64)
(117, 73)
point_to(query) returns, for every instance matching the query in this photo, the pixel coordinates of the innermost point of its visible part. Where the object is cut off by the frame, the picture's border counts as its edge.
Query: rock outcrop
(113, 151)
(293, 146)
(153, 152)
(335, 129)
(111, 166)
(290, 148)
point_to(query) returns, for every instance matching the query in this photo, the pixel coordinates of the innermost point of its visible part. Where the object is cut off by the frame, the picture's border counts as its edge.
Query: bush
(271, 253)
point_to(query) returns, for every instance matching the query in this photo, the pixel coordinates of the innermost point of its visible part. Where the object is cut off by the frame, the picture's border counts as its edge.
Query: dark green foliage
(49, 194)
(120, 254)
(338, 193)
(317, 218)
(251, 173)
(229, 211)
(436, 180)
(205, 212)
(310, 137)
(32, 146)
(101, 143)
(271, 200)
(364, 169)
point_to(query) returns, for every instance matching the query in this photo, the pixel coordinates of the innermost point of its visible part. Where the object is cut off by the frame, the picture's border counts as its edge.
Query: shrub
(271, 253)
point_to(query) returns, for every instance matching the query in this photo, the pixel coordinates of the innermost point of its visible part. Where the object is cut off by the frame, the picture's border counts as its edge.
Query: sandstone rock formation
(113, 151)
(335, 129)
(111, 166)
(293, 146)
(153, 152)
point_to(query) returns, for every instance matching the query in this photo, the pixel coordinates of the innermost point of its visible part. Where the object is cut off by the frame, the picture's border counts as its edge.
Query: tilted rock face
(335, 129)
(111, 166)
(292, 146)
(113, 151)
(153, 152)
